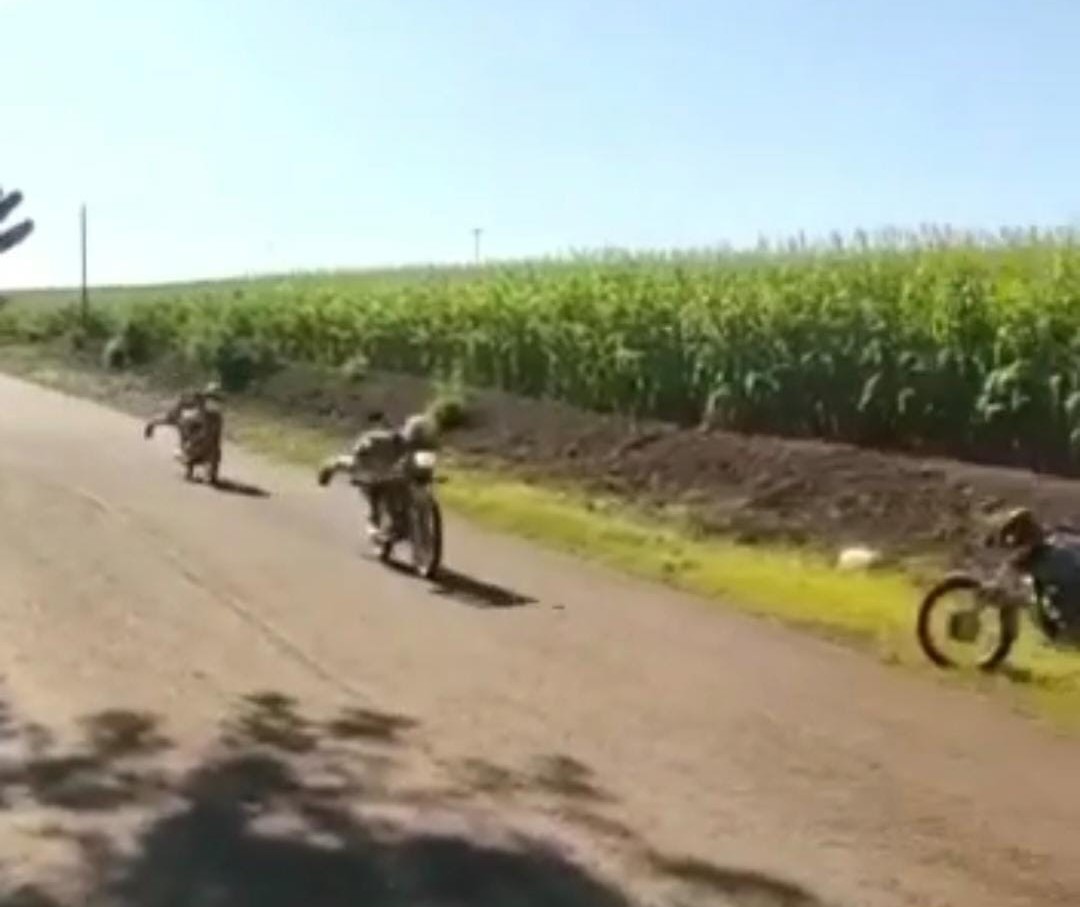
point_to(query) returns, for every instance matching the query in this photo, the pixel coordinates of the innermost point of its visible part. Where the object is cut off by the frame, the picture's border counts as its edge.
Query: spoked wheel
(957, 628)
(425, 525)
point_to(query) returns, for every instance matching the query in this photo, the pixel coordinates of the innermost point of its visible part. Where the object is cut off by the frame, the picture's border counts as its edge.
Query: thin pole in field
(85, 298)
(476, 242)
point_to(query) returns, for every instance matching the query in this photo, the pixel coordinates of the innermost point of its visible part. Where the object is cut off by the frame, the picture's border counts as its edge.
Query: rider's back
(377, 451)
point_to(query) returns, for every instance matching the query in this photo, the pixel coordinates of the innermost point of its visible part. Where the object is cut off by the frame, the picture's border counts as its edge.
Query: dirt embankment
(754, 488)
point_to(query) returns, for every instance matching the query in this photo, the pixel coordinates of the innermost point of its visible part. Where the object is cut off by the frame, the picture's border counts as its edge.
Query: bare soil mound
(754, 488)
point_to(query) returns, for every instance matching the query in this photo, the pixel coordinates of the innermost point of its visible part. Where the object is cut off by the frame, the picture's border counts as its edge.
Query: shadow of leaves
(369, 724)
(276, 813)
(737, 886)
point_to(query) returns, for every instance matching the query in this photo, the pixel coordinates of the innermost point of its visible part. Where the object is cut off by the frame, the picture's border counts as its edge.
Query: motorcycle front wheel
(385, 548)
(426, 533)
(964, 622)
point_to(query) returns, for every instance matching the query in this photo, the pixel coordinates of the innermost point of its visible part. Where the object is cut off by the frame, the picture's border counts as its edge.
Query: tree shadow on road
(580, 801)
(357, 723)
(736, 886)
(565, 776)
(284, 809)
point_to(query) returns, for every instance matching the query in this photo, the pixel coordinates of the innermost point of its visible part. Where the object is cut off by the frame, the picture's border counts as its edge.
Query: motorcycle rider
(1052, 560)
(371, 459)
(206, 428)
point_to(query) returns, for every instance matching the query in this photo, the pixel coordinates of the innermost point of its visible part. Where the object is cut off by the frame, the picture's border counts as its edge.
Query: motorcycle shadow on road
(468, 590)
(476, 592)
(242, 489)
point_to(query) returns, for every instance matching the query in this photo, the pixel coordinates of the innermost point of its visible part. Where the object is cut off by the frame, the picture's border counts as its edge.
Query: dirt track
(213, 698)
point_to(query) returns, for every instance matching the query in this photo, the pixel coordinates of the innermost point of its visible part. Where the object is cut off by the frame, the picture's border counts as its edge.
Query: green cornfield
(935, 342)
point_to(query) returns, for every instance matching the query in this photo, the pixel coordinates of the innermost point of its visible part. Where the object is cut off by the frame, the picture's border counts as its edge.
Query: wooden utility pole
(85, 299)
(476, 243)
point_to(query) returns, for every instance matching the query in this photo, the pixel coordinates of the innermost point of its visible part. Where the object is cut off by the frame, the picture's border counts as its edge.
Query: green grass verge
(874, 611)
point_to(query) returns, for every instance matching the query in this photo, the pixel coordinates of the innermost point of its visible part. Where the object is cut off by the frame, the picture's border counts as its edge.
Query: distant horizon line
(927, 236)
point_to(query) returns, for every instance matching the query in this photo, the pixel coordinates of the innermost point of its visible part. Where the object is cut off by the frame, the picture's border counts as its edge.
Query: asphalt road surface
(217, 698)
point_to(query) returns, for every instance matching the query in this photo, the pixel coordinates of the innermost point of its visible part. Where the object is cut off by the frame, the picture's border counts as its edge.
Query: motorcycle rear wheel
(1009, 627)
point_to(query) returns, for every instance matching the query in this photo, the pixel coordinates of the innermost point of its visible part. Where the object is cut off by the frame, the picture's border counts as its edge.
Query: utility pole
(85, 299)
(476, 243)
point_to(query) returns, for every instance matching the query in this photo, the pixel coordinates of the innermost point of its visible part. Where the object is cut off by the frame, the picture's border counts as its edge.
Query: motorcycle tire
(384, 550)
(425, 508)
(956, 582)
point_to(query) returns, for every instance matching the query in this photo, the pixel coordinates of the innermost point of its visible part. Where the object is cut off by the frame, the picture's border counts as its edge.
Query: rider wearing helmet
(210, 405)
(197, 416)
(1052, 560)
(418, 432)
(373, 456)
(206, 403)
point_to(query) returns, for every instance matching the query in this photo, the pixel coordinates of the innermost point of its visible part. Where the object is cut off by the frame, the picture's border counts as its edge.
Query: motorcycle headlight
(425, 459)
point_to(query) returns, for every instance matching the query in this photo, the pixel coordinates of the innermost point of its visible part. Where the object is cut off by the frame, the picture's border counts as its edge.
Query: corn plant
(933, 340)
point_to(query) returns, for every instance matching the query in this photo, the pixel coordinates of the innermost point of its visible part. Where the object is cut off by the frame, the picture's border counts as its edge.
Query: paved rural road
(335, 733)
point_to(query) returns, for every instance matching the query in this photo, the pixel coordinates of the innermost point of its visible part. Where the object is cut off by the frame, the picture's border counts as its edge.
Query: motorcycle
(200, 440)
(991, 603)
(409, 512)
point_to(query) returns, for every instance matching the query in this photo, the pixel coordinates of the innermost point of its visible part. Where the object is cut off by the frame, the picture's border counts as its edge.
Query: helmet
(418, 431)
(1017, 528)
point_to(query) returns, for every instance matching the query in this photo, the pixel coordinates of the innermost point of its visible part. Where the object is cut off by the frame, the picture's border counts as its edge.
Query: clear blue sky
(215, 137)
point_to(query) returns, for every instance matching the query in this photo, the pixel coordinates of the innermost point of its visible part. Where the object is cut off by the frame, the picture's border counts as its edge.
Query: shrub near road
(953, 346)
